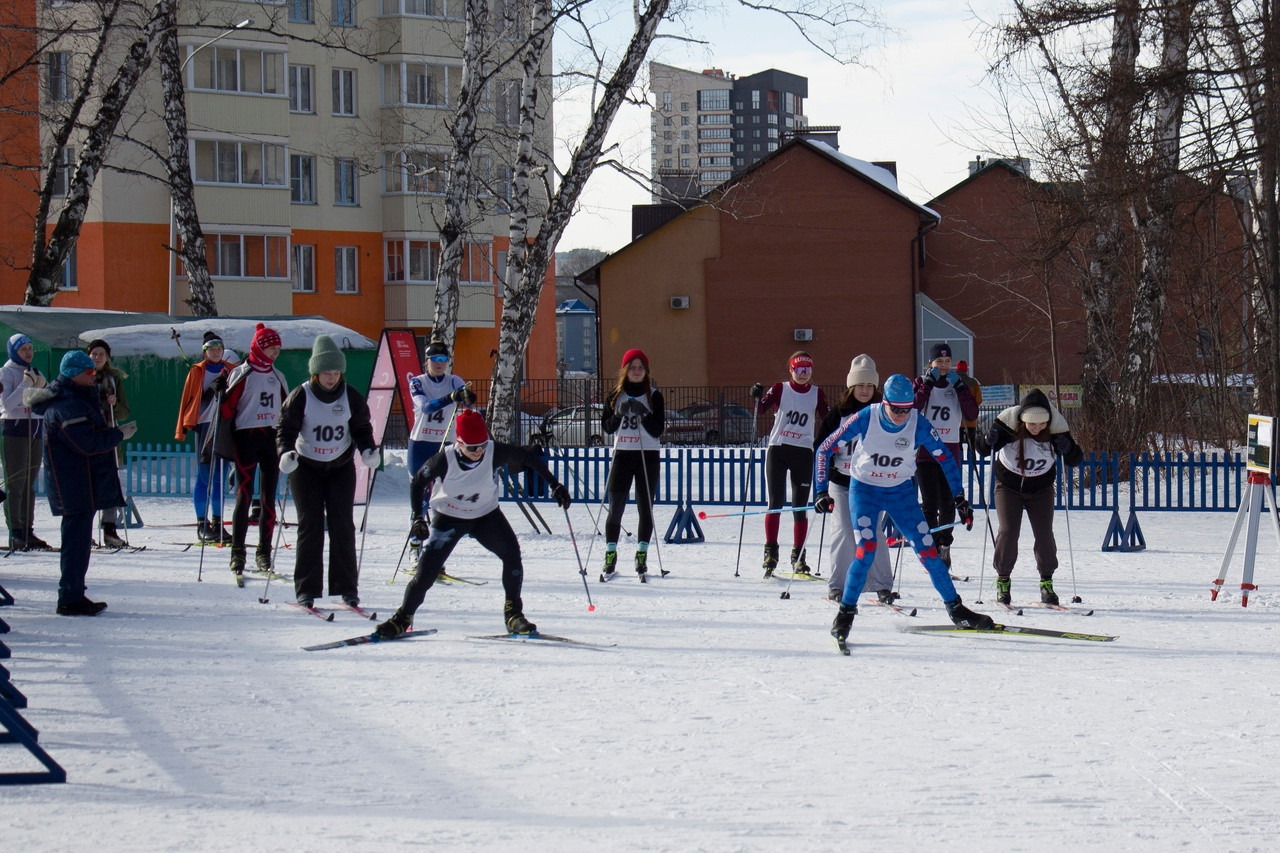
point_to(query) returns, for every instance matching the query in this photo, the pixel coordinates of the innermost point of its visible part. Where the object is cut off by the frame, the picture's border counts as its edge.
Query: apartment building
(706, 127)
(320, 152)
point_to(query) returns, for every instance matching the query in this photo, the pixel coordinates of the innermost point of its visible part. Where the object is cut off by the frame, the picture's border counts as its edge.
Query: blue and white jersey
(432, 408)
(886, 441)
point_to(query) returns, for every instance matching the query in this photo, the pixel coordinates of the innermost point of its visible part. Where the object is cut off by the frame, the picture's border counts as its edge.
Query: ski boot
(798, 565)
(966, 618)
(202, 531)
(610, 565)
(1047, 595)
(513, 611)
(642, 565)
(83, 607)
(111, 539)
(305, 601)
(1003, 595)
(842, 624)
(398, 624)
(237, 560)
(887, 596)
(835, 595)
(218, 534)
(35, 543)
(770, 558)
(263, 560)
(351, 599)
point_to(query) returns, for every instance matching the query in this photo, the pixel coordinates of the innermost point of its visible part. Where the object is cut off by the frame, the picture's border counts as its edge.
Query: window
(344, 13)
(344, 181)
(715, 133)
(684, 134)
(668, 121)
(418, 262)
(506, 109)
(233, 69)
(304, 269)
(713, 99)
(414, 171)
(714, 177)
(685, 149)
(789, 102)
(247, 255)
(344, 270)
(714, 147)
(344, 91)
(500, 275)
(667, 134)
(63, 164)
(67, 279)
(666, 100)
(684, 106)
(302, 179)
(714, 161)
(508, 19)
(684, 162)
(423, 8)
(755, 99)
(684, 121)
(57, 80)
(419, 84)
(773, 119)
(666, 149)
(219, 161)
(666, 162)
(300, 89)
(300, 12)
(714, 119)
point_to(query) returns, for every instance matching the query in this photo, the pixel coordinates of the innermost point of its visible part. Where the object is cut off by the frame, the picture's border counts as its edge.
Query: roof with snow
(137, 334)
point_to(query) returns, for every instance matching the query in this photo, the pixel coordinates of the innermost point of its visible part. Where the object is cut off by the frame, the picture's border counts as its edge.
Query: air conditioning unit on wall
(679, 302)
(804, 334)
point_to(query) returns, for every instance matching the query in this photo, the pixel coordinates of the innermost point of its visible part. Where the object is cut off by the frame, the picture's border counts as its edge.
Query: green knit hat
(325, 355)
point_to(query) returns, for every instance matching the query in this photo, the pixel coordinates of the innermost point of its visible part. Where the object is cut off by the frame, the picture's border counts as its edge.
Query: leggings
(640, 467)
(783, 462)
(491, 530)
(255, 449)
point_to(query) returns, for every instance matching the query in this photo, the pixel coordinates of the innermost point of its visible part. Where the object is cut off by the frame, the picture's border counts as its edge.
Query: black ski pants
(936, 500)
(632, 466)
(491, 530)
(320, 495)
(255, 450)
(1010, 504)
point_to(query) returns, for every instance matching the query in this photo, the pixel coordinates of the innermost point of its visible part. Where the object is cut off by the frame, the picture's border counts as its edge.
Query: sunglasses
(899, 410)
(474, 448)
(440, 359)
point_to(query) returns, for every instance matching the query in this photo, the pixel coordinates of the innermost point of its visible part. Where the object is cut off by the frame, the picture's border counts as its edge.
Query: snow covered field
(188, 717)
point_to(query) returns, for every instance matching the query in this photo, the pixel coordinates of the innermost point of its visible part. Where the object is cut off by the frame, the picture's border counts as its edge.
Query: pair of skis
(535, 637)
(327, 615)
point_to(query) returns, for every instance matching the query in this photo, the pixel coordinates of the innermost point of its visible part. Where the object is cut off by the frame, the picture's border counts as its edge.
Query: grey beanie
(862, 371)
(325, 355)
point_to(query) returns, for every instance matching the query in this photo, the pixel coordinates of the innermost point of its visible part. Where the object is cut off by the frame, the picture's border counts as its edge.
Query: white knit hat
(862, 371)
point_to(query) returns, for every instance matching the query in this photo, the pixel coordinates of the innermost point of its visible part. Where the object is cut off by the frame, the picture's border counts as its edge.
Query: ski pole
(705, 515)
(1071, 551)
(177, 339)
(822, 535)
(582, 569)
(648, 496)
(786, 593)
(364, 521)
(991, 534)
(284, 502)
(746, 491)
(401, 560)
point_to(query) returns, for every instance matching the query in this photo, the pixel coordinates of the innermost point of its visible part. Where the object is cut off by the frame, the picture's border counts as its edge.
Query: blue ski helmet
(898, 391)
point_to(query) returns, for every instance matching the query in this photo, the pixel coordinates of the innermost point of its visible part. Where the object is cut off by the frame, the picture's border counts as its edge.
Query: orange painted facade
(19, 144)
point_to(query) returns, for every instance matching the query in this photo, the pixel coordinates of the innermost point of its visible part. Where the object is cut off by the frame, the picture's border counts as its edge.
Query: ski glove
(420, 529)
(463, 395)
(128, 429)
(219, 385)
(371, 457)
(757, 390)
(964, 511)
(932, 377)
(561, 495)
(1062, 443)
(824, 503)
(288, 462)
(634, 407)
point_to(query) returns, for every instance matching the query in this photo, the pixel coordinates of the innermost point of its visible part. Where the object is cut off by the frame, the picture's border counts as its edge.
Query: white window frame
(234, 161)
(343, 87)
(57, 80)
(63, 163)
(346, 269)
(302, 89)
(68, 276)
(223, 248)
(414, 171)
(303, 268)
(418, 84)
(302, 178)
(346, 182)
(228, 69)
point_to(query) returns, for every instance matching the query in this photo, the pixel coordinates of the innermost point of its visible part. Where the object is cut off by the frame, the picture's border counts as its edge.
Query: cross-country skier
(634, 412)
(464, 501)
(436, 394)
(944, 399)
(323, 424)
(251, 395)
(800, 407)
(195, 412)
(1026, 440)
(884, 460)
(862, 390)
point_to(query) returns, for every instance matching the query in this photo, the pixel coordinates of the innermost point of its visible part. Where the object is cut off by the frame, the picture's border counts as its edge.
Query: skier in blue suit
(884, 460)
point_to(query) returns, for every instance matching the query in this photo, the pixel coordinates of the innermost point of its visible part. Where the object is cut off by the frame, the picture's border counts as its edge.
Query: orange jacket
(189, 407)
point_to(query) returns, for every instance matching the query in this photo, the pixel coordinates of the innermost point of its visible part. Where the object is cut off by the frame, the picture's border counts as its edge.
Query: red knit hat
(962, 366)
(635, 353)
(264, 337)
(470, 427)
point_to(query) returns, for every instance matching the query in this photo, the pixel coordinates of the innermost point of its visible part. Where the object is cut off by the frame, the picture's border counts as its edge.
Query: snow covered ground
(188, 717)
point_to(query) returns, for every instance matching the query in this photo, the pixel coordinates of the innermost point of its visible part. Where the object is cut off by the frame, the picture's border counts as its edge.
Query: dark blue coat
(79, 462)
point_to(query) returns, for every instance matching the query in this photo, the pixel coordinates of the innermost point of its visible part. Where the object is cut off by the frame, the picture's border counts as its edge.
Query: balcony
(415, 305)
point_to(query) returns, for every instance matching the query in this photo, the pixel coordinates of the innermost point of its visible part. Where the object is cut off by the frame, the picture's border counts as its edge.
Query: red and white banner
(396, 364)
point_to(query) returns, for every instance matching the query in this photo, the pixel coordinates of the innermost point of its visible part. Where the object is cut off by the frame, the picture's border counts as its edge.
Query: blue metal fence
(723, 475)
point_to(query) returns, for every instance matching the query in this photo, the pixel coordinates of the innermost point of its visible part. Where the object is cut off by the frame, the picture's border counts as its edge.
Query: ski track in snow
(188, 717)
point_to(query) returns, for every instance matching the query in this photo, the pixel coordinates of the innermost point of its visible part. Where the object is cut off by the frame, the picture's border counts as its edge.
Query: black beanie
(99, 342)
(437, 347)
(940, 351)
(210, 336)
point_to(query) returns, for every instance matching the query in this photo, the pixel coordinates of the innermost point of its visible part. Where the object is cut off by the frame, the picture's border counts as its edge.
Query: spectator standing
(115, 410)
(22, 443)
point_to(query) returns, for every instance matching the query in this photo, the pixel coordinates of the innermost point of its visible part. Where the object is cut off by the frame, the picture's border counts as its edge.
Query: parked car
(720, 424)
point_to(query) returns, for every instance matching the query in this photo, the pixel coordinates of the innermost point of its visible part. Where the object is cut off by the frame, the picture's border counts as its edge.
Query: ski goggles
(439, 359)
(215, 343)
(899, 410)
(474, 448)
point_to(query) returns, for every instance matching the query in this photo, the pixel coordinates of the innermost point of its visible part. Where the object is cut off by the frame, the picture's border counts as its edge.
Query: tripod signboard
(1259, 466)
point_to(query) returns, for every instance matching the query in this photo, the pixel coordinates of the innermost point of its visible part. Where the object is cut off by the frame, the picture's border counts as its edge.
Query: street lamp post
(173, 219)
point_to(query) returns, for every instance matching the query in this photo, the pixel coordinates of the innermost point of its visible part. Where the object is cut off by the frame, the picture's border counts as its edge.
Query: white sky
(920, 100)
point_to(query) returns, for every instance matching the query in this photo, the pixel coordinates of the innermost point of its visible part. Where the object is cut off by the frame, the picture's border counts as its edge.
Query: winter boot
(398, 624)
(966, 618)
(351, 599)
(770, 558)
(844, 621)
(1047, 595)
(305, 600)
(798, 565)
(610, 563)
(202, 531)
(110, 539)
(1002, 591)
(835, 594)
(217, 533)
(263, 560)
(83, 607)
(642, 562)
(513, 610)
(237, 560)
(887, 596)
(944, 554)
(35, 543)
